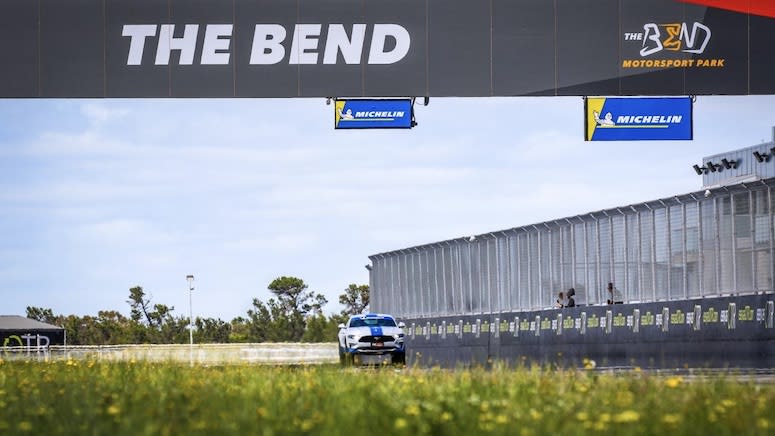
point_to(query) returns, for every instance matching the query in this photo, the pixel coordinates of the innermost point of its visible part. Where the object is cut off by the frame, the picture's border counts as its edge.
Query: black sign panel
(365, 48)
(31, 340)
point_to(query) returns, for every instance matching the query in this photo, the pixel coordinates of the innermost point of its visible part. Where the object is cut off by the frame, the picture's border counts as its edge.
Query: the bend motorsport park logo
(632, 119)
(670, 45)
(373, 114)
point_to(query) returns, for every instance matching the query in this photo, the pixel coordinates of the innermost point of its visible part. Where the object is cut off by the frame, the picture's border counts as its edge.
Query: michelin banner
(373, 114)
(638, 119)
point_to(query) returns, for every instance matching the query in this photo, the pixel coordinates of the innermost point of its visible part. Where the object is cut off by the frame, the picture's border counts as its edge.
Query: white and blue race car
(372, 338)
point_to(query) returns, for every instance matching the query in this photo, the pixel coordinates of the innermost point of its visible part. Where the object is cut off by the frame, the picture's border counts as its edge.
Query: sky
(98, 196)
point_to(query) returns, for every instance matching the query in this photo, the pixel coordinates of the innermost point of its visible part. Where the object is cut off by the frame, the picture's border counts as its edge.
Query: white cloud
(98, 113)
(122, 232)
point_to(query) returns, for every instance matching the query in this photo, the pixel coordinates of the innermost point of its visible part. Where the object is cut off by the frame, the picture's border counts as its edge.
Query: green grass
(82, 397)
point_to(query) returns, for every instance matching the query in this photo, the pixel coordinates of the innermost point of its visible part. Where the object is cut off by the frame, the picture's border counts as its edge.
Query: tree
(173, 330)
(355, 299)
(155, 324)
(271, 322)
(210, 330)
(139, 304)
(293, 295)
(160, 315)
(72, 324)
(41, 314)
(287, 316)
(112, 328)
(240, 330)
(322, 329)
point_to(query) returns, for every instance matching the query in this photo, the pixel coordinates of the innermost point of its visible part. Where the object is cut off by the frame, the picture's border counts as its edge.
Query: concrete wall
(282, 353)
(710, 332)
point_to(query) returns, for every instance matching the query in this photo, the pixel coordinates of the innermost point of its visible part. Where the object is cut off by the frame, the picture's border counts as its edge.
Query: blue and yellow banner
(638, 119)
(373, 114)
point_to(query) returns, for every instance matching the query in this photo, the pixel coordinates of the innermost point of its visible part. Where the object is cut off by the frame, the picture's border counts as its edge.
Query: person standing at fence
(571, 301)
(560, 303)
(614, 296)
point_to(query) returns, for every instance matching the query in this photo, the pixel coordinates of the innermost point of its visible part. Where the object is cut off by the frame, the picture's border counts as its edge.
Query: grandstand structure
(702, 263)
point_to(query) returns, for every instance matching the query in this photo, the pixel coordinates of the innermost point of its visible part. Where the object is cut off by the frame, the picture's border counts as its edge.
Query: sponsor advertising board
(638, 119)
(329, 48)
(373, 114)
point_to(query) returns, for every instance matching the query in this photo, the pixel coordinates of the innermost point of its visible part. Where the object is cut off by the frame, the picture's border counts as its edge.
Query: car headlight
(400, 335)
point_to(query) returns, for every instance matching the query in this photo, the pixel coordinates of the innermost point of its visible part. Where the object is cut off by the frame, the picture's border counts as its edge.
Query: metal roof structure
(621, 210)
(16, 322)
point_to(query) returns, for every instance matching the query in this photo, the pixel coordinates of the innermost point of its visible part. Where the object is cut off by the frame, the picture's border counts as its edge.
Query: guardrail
(263, 353)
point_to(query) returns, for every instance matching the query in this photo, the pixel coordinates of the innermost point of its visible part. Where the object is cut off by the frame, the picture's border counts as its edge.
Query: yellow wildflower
(501, 419)
(113, 410)
(413, 410)
(25, 426)
(486, 426)
(582, 416)
(446, 416)
(763, 423)
(627, 416)
(400, 423)
(671, 418)
(673, 382)
(624, 398)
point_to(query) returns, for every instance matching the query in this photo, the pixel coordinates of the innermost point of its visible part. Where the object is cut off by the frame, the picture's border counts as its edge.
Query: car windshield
(372, 322)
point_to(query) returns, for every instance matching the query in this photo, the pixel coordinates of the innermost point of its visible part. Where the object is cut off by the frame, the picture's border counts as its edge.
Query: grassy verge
(81, 397)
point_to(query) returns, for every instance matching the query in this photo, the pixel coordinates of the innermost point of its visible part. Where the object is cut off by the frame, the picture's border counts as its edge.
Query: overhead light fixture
(764, 157)
(700, 170)
(712, 167)
(729, 164)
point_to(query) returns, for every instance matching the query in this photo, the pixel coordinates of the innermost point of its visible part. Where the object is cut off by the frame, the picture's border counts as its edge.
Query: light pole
(190, 279)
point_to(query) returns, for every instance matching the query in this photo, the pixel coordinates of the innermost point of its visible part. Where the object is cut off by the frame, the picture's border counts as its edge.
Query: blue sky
(97, 196)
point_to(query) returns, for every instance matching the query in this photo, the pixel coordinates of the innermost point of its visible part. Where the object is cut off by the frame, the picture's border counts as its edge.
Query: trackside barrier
(264, 353)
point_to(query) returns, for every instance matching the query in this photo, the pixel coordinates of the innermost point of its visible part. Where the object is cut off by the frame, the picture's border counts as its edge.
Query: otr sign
(26, 340)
